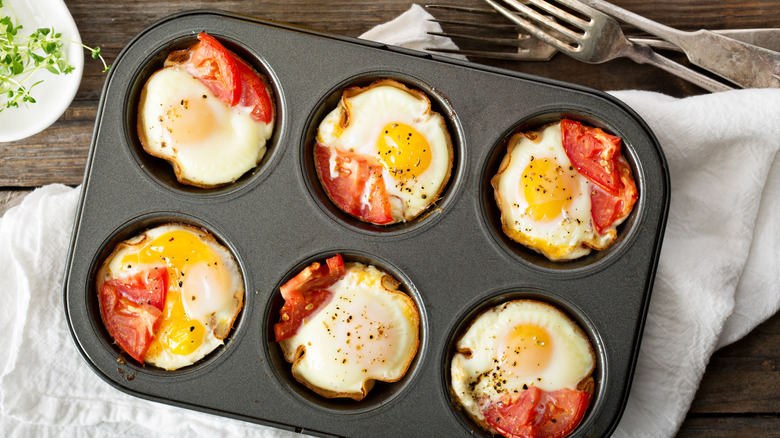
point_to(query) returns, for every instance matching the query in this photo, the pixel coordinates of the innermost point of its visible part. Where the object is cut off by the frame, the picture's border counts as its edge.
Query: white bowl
(56, 92)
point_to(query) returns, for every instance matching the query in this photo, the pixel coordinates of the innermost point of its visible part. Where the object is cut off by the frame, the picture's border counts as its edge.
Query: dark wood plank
(730, 427)
(745, 376)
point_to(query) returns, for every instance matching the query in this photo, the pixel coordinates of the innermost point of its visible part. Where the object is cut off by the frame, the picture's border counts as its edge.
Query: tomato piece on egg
(357, 186)
(606, 209)
(148, 287)
(231, 79)
(535, 413)
(254, 94)
(212, 64)
(305, 293)
(596, 155)
(132, 325)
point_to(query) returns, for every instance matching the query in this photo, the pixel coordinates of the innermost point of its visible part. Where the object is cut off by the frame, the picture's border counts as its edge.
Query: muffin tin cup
(439, 104)
(276, 220)
(490, 300)
(126, 231)
(383, 393)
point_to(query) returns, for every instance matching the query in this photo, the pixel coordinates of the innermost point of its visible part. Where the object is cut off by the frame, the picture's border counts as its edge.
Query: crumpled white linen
(718, 277)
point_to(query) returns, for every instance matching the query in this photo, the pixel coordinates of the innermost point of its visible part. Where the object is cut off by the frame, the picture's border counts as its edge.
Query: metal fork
(598, 40)
(743, 64)
(526, 48)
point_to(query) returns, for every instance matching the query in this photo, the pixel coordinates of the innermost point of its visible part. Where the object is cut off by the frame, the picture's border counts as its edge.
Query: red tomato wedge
(228, 76)
(212, 64)
(535, 413)
(132, 323)
(596, 155)
(254, 94)
(305, 293)
(593, 153)
(606, 209)
(354, 177)
(147, 287)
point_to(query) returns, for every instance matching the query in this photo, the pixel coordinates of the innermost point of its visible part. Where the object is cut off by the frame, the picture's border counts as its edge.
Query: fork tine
(530, 28)
(547, 21)
(496, 34)
(477, 25)
(520, 55)
(510, 42)
(560, 13)
(466, 9)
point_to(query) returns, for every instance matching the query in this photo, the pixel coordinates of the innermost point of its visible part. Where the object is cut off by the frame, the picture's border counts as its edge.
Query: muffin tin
(454, 260)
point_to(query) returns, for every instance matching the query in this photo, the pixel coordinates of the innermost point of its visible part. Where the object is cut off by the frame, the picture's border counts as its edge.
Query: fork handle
(644, 55)
(744, 64)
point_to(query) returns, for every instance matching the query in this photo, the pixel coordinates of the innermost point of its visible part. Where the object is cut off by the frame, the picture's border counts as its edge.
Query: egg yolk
(525, 350)
(178, 333)
(548, 188)
(189, 121)
(403, 151)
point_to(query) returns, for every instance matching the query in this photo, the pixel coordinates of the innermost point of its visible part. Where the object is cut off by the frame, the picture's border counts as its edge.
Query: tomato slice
(254, 94)
(354, 177)
(305, 293)
(147, 287)
(606, 209)
(535, 413)
(212, 64)
(594, 153)
(231, 79)
(132, 324)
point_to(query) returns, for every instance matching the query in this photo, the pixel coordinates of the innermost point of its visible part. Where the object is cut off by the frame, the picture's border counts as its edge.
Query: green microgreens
(22, 56)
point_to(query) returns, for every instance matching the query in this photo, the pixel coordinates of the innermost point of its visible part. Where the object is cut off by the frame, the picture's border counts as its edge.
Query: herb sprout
(22, 56)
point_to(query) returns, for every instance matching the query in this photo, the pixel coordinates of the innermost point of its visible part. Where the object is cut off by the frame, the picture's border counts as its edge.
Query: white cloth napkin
(718, 276)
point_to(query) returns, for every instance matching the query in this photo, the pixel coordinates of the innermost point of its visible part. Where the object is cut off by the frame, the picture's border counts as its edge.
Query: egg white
(207, 142)
(366, 113)
(368, 331)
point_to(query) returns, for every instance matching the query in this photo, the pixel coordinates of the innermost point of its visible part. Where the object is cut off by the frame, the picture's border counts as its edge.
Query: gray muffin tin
(453, 261)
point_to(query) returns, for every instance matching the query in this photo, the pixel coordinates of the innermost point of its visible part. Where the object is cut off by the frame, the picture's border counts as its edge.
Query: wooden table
(740, 392)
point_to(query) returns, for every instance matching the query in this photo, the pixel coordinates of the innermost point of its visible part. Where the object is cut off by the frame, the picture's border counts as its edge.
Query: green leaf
(48, 47)
(16, 67)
